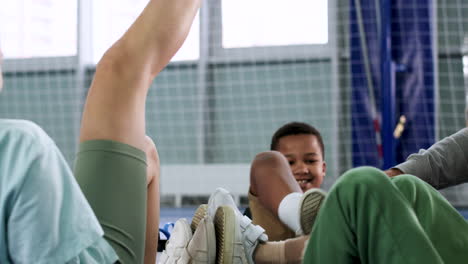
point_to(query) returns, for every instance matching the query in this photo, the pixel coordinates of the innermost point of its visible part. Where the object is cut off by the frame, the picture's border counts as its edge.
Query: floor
(169, 215)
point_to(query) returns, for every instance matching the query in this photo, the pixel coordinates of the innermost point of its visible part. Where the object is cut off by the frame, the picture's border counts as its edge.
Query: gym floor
(170, 215)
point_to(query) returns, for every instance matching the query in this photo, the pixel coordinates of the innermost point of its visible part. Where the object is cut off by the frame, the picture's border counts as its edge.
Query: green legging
(112, 176)
(370, 218)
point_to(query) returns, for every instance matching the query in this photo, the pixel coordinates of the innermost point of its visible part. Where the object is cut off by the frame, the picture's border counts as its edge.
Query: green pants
(370, 218)
(112, 176)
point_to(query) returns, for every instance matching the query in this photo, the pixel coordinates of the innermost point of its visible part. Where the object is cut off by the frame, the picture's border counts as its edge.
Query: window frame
(307, 51)
(41, 63)
(210, 46)
(210, 52)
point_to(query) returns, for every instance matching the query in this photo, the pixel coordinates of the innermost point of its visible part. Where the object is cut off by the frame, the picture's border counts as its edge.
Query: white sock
(288, 211)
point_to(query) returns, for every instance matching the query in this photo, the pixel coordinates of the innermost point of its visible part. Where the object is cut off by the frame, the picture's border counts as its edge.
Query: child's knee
(267, 159)
(406, 181)
(367, 177)
(358, 187)
(265, 166)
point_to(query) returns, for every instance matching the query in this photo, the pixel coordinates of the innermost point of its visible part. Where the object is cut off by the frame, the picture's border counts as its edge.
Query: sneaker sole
(224, 221)
(310, 206)
(200, 213)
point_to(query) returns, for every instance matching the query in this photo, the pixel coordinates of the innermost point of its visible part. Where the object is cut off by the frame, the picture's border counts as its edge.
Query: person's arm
(48, 218)
(444, 164)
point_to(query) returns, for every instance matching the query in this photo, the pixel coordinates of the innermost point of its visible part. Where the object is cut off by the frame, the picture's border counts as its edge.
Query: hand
(393, 172)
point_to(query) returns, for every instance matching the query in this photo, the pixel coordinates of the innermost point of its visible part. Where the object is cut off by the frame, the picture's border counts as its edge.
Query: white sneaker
(176, 246)
(236, 236)
(309, 207)
(219, 198)
(183, 248)
(202, 247)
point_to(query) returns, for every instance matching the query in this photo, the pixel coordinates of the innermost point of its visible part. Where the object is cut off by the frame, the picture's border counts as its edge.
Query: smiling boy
(279, 177)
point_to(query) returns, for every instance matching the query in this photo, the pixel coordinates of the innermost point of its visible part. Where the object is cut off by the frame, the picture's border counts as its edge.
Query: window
(256, 23)
(111, 18)
(38, 28)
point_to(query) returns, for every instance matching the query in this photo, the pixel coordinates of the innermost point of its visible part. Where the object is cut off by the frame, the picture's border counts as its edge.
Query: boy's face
(305, 158)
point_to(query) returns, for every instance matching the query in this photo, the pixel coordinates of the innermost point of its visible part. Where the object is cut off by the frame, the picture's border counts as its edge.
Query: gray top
(444, 164)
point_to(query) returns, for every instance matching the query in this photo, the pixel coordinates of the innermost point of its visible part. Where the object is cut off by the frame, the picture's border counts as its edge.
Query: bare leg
(152, 202)
(115, 107)
(271, 173)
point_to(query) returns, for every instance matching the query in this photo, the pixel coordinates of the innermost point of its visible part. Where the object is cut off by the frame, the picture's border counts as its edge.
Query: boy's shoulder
(16, 131)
